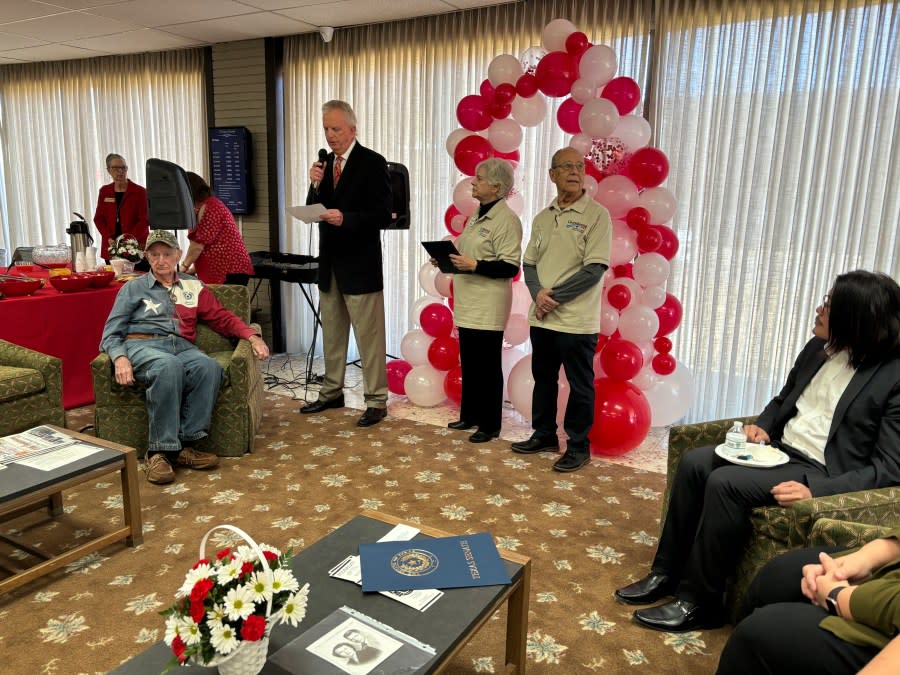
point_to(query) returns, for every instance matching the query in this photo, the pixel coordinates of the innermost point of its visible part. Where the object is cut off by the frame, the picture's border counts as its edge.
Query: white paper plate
(760, 456)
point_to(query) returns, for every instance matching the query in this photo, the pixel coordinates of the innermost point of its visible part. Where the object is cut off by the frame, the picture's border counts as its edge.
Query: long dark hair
(200, 190)
(864, 317)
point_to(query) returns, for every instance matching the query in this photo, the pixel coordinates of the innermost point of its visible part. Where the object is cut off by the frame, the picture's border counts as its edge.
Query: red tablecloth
(66, 325)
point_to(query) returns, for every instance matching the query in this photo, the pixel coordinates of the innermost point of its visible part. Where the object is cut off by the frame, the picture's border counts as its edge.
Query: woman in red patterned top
(217, 251)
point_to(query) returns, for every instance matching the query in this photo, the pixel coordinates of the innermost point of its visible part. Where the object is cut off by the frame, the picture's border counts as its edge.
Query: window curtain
(780, 120)
(59, 120)
(404, 80)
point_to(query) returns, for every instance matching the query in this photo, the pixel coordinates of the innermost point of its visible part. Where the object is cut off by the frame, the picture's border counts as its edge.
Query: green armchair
(120, 413)
(30, 389)
(846, 520)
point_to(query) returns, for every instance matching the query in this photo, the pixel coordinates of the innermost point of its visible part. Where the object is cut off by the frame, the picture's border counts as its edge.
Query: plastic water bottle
(736, 439)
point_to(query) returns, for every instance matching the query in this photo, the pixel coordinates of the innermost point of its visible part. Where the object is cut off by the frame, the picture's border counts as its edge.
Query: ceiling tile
(355, 12)
(155, 13)
(18, 10)
(55, 52)
(79, 4)
(242, 27)
(66, 27)
(134, 41)
(272, 5)
(9, 41)
(470, 4)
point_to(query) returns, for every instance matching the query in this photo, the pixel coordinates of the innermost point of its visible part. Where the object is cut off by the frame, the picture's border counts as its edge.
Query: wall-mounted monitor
(230, 154)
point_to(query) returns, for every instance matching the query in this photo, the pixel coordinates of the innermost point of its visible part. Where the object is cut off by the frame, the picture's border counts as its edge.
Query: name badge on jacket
(109, 199)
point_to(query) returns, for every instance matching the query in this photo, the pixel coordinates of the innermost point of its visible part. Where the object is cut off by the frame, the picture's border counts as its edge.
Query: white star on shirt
(151, 306)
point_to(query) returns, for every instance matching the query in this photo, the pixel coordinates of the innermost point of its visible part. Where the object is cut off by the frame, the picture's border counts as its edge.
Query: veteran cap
(161, 237)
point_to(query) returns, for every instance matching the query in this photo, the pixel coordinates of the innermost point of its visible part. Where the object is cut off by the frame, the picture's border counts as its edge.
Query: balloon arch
(638, 381)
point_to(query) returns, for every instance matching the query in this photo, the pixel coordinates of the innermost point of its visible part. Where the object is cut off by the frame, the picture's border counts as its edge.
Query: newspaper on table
(43, 448)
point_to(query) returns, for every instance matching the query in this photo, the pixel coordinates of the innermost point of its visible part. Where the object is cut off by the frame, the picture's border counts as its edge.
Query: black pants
(782, 635)
(708, 521)
(575, 353)
(237, 279)
(482, 378)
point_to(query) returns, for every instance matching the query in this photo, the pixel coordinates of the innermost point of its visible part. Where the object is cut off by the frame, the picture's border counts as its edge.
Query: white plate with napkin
(755, 455)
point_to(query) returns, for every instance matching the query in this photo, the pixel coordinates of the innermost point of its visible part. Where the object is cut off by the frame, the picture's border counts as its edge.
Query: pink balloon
(621, 417)
(397, 371)
(623, 92)
(472, 112)
(669, 314)
(621, 359)
(453, 385)
(555, 73)
(471, 151)
(567, 116)
(443, 352)
(436, 320)
(521, 386)
(516, 331)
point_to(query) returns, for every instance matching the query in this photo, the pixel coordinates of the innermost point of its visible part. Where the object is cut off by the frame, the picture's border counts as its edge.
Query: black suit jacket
(353, 250)
(863, 446)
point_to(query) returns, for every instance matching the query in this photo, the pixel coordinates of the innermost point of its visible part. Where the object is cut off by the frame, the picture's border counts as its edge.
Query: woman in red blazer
(121, 207)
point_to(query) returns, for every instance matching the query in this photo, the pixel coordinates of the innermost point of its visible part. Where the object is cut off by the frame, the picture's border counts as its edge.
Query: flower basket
(126, 247)
(227, 605)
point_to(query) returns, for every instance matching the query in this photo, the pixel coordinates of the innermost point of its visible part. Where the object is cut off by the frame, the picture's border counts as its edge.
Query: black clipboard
(441, 251)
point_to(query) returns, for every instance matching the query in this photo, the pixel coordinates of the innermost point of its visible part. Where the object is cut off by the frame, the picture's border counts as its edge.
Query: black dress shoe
(371, 416)
(483, 436)
(648, 590)
(536, 444)
(571, 461)
(680, 616)
(320, 405)
(460, 425)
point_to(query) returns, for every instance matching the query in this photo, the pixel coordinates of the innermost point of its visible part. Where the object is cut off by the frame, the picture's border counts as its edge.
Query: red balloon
(669, 246)
(624, 270)
(453, 384)
(436, 319)
(443, 352)
(637, 218)
(669, 314)
(486, 89)
(472, 112)
(623, 92)
(567, 116)
(577, 44)
(621, 417)
(504, 93)
(619, 296)
(449, 215)
(663, 345)
(471, 151)
(591, 170)
(499, 111)
(621, 359)
(648, 167)
(648, 239)
(397, 371)
(526, 85)
(508, 156)
(663, 364)
(602, 340)
(555, 73)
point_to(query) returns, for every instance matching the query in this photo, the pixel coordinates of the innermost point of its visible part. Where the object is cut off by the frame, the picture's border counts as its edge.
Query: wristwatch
(832, 600)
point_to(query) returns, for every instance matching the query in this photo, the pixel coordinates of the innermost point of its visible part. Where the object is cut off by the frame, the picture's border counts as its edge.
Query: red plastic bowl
(100, 279)
(71, 282)
(23, 286)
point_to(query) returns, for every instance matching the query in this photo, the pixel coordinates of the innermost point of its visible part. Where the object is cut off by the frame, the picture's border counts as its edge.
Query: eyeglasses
(117, 168)
(569, 166)
(826, 302)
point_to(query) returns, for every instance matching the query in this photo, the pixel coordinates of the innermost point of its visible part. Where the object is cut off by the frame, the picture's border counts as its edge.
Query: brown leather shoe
(159, 471)
(194, 459)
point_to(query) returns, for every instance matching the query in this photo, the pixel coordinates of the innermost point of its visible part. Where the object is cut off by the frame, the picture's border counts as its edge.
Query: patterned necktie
(337, 169)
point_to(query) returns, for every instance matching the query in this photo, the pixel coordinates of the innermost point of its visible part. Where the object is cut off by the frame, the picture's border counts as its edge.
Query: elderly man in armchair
(838, 420)
(149, 337)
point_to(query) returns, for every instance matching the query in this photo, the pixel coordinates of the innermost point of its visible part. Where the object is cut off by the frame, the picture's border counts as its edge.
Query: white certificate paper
(308, 214)
(57, 458)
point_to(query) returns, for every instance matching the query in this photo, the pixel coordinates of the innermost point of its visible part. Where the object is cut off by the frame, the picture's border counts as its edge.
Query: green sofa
(30, 389)
(846, 520)
(120, 413)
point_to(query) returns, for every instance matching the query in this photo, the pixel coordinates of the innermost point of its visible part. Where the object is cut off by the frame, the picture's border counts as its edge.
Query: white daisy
(224, 638)
(260, 585)
(294, 609)
(191, 578)
(229, 572)
(283, 580)
(215, 615)
(239, 603)
(173, 628)
(190, 632)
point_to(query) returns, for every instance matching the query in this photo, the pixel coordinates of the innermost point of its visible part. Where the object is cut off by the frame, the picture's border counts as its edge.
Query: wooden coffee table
(24, 489)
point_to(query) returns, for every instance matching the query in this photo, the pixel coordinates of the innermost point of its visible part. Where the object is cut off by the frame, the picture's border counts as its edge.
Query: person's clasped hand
(819, 579)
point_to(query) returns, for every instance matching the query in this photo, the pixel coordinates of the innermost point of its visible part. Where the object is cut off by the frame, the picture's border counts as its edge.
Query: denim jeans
(182, 386)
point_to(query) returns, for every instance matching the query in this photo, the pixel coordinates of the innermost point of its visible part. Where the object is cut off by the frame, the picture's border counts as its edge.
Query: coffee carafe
(79, 237)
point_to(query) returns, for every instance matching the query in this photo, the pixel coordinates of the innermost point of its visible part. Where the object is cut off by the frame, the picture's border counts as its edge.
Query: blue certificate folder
(443, 562)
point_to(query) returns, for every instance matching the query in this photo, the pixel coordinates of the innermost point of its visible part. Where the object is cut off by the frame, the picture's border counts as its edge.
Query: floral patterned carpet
(587, 533)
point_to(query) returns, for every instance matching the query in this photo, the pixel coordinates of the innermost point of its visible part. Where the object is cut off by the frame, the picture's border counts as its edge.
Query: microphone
(323, 157)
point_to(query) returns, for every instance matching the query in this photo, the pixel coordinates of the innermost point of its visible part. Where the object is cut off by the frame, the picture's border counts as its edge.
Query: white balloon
(442, 284)
(659, 202)
(516, 331)
(609, 319)
(521, 387)
(672, 397)
(427, 274)
(653, 296)
(463, 199)
(598, 118)
(529, 112)
(453, 139)
(417, 308)
(618, 194)
(458, 223)
(623, 248)
(651, 269)
(505, 135)
(634, 131)
(583, 90)
(646, 378)
(590, 185)
(424, 386)
(504, 68)
(554, 35)
(516, 203)
(638, 323)
(508, 359)
(581, 143)
(414, 346)
(531, 57)
(598, 64)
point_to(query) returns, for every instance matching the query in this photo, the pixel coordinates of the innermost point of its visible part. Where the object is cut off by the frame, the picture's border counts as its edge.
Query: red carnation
(246, 568)
(254, 628)
(224, 553)
(202, 561)
(198, 611)
(201, 589)
(271, 556)
(178, 648)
